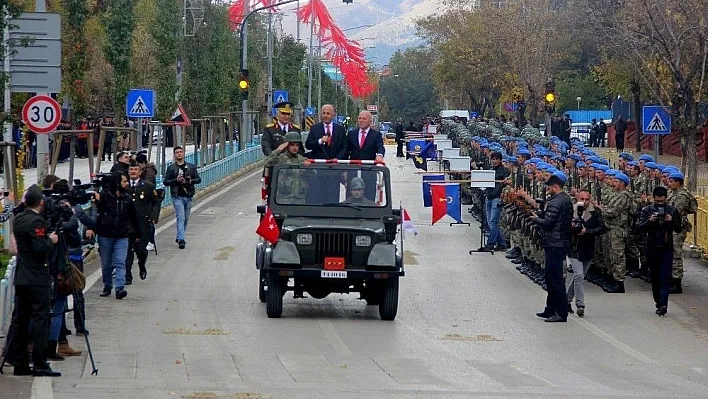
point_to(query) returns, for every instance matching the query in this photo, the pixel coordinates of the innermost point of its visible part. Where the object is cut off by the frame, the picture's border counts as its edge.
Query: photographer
(660, 222)
(587, 224)
(115, 221)
(555, 224)
(32, 286)
(181, 177)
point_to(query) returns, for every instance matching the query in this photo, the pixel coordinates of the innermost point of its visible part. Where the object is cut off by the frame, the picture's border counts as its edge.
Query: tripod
(482, 224)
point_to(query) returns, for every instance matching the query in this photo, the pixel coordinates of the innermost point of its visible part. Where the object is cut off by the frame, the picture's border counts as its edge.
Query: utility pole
(309, 66)
(42, 139)
(269, 52)
(245, 134)
(319, 74)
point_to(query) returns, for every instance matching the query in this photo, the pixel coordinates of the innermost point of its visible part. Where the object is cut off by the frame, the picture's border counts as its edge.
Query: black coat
(116, 216)
(31, 233)
(500, 173)
(188, 188)
(146, 204)
(556, 222)
(319, 151)
(583, 245)
(659, 237)
(620, 126)
(372, 145)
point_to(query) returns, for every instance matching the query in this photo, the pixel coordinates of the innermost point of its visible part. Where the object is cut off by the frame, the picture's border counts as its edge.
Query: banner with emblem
(446, 201)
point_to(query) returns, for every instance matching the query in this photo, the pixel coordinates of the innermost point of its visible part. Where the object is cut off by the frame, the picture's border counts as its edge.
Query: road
(465, 328)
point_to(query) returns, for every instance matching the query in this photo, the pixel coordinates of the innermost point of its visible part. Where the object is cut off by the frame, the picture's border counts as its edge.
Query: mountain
(393, 24)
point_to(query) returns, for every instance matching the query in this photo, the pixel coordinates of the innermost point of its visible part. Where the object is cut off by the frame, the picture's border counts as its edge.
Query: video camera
(58, 203)
(660, 214)
(578, 222)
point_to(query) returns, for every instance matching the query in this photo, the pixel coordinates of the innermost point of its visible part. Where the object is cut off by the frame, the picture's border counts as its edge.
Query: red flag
(439, 195)
(407, 223)
(268, 229)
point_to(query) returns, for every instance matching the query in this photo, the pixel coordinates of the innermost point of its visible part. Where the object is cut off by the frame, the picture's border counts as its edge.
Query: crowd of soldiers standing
(620, 191)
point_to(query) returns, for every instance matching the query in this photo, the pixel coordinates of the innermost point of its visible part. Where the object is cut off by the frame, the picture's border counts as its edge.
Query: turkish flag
(439, 195)
(268, 229)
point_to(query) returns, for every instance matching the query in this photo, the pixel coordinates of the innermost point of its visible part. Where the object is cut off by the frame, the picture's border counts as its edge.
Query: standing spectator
(660, 222)
(114, 223)
(181, 177)
(587, 224)
(400, 139)
(602, 133)
(108, 143)
(620, 129)
(555, 224)
(149, 168)
(594, 133)
(494, 204)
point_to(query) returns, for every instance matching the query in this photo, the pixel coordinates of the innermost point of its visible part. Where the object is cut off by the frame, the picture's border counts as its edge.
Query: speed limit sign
(42, 114)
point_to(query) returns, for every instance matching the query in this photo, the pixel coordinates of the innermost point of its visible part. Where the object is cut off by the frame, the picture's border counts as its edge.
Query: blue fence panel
(586, 116)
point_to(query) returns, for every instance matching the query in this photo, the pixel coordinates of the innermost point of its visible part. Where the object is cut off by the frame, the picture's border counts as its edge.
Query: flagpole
(400, 207)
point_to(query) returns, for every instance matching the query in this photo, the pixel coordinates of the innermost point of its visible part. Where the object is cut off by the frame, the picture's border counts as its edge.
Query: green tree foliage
(9, 9)
(411, 94)
(74, 53)
(119, 22)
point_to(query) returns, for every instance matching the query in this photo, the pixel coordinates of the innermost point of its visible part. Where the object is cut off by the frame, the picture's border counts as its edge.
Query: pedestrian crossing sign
(655, 120)
(140, 103)
(280, 96)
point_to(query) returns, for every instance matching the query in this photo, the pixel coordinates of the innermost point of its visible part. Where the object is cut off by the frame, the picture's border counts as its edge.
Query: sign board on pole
(140, 103)
(280, 96)
(310, 111)
(655, 120)
(180, 117)
(341, 119)
(474, 114)
(372, 108)
(36, 67)
(42, 114)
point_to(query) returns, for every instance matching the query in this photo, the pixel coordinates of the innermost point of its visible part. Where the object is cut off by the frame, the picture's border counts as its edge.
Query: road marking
(334, 339)
(595, 330)
(95, 276)
(42, 388)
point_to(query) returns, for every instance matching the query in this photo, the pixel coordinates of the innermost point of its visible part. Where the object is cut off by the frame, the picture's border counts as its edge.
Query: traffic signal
(243, 82)
(550, 96)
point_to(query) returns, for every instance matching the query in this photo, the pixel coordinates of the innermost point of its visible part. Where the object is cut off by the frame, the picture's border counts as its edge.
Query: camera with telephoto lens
(578, 222)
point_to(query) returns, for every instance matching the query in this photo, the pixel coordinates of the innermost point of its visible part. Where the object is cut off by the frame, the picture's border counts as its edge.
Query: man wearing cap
(555, 225)
(274, 133)
(295, 187)
(636, 259)
(685, 204)
(622, 161)
(356, 190)
(617, 211)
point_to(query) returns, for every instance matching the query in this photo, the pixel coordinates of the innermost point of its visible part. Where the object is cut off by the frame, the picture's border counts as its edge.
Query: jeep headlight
(363, 241)
(303, 239)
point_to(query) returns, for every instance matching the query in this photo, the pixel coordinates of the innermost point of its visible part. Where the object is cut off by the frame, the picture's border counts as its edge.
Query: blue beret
(575, 157)
(633, 163)
(670, 169)
(594, 159)
(651, 165)
(523, 151)
(513, 159)
(535, 160)
(626, 156)
(560, 175)
(675, 175)
(580, 164)
(660, 166)
(604, 161)
(622, 177)
(485, 145)
(611, 172)
(646, 158)
(527, 162)
(602, 167)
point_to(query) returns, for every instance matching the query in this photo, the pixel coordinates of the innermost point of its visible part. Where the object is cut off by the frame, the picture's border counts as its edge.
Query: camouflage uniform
(294, 188)
(616, 213)
(681, 200)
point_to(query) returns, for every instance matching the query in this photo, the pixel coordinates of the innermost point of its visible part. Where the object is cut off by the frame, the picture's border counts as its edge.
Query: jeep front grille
(333, 245)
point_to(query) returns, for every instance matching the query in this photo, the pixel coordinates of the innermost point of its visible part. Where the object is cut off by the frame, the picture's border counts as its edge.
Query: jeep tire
(389, 301)
(261, 287)
(274, 297)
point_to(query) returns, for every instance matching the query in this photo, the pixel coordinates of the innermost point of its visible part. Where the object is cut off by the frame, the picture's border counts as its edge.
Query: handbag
(71, 280)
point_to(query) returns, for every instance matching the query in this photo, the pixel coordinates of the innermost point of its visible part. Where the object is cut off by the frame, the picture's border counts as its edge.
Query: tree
(119, 22)
(166, 31)
(665, 42)
(8, 11)
(409, 92)
(74, 53)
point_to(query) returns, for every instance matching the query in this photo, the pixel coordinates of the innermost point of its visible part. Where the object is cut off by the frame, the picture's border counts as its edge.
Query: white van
(449, 113)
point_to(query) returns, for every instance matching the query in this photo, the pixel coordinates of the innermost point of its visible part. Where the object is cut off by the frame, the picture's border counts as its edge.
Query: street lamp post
(578, 99)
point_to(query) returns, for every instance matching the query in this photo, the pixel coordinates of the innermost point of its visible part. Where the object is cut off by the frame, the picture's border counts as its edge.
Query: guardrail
(699, 235)
(7, 294)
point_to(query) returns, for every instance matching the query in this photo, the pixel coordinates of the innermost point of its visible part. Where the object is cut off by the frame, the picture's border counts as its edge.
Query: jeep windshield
(331, 187)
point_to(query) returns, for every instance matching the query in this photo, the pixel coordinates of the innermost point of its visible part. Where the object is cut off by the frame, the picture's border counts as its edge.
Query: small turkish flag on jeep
(268, 229)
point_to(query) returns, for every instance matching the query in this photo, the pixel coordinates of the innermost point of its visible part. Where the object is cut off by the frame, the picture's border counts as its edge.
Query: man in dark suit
(147, 206)
(365, 143)
(327, 140)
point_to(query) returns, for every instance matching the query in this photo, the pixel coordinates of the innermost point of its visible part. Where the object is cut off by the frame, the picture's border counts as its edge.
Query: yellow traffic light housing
(243, 84)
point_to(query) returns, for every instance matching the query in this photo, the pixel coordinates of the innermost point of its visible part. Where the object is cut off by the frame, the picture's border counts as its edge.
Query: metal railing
(7, 294)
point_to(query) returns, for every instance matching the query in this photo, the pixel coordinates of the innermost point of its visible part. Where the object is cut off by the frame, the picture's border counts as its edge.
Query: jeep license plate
(333, 274)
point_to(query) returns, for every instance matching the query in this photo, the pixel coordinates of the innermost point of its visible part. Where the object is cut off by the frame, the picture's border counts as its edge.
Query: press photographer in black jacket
(555, 223)
(659, 221)
(588, 223)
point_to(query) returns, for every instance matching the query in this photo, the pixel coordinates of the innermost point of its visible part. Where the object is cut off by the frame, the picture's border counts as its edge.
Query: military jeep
(337, 235)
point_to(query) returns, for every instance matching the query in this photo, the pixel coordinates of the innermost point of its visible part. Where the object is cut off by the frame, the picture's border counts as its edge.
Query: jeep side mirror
(397, 212)
(261, 209)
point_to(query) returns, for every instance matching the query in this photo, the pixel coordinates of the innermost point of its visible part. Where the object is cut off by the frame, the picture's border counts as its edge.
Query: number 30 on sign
(42, 114)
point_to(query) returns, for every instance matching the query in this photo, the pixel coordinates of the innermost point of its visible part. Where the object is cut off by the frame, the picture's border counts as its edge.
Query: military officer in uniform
(32, 286)
(294, 188)
(356, 188)
(274, 133)
(147, 206)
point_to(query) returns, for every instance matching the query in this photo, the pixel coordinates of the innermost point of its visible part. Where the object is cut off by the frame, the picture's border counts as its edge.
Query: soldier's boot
(676, 287)
(632, 267)
(525, 266)
(513, 253)
(518, 261)
(615, 287)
